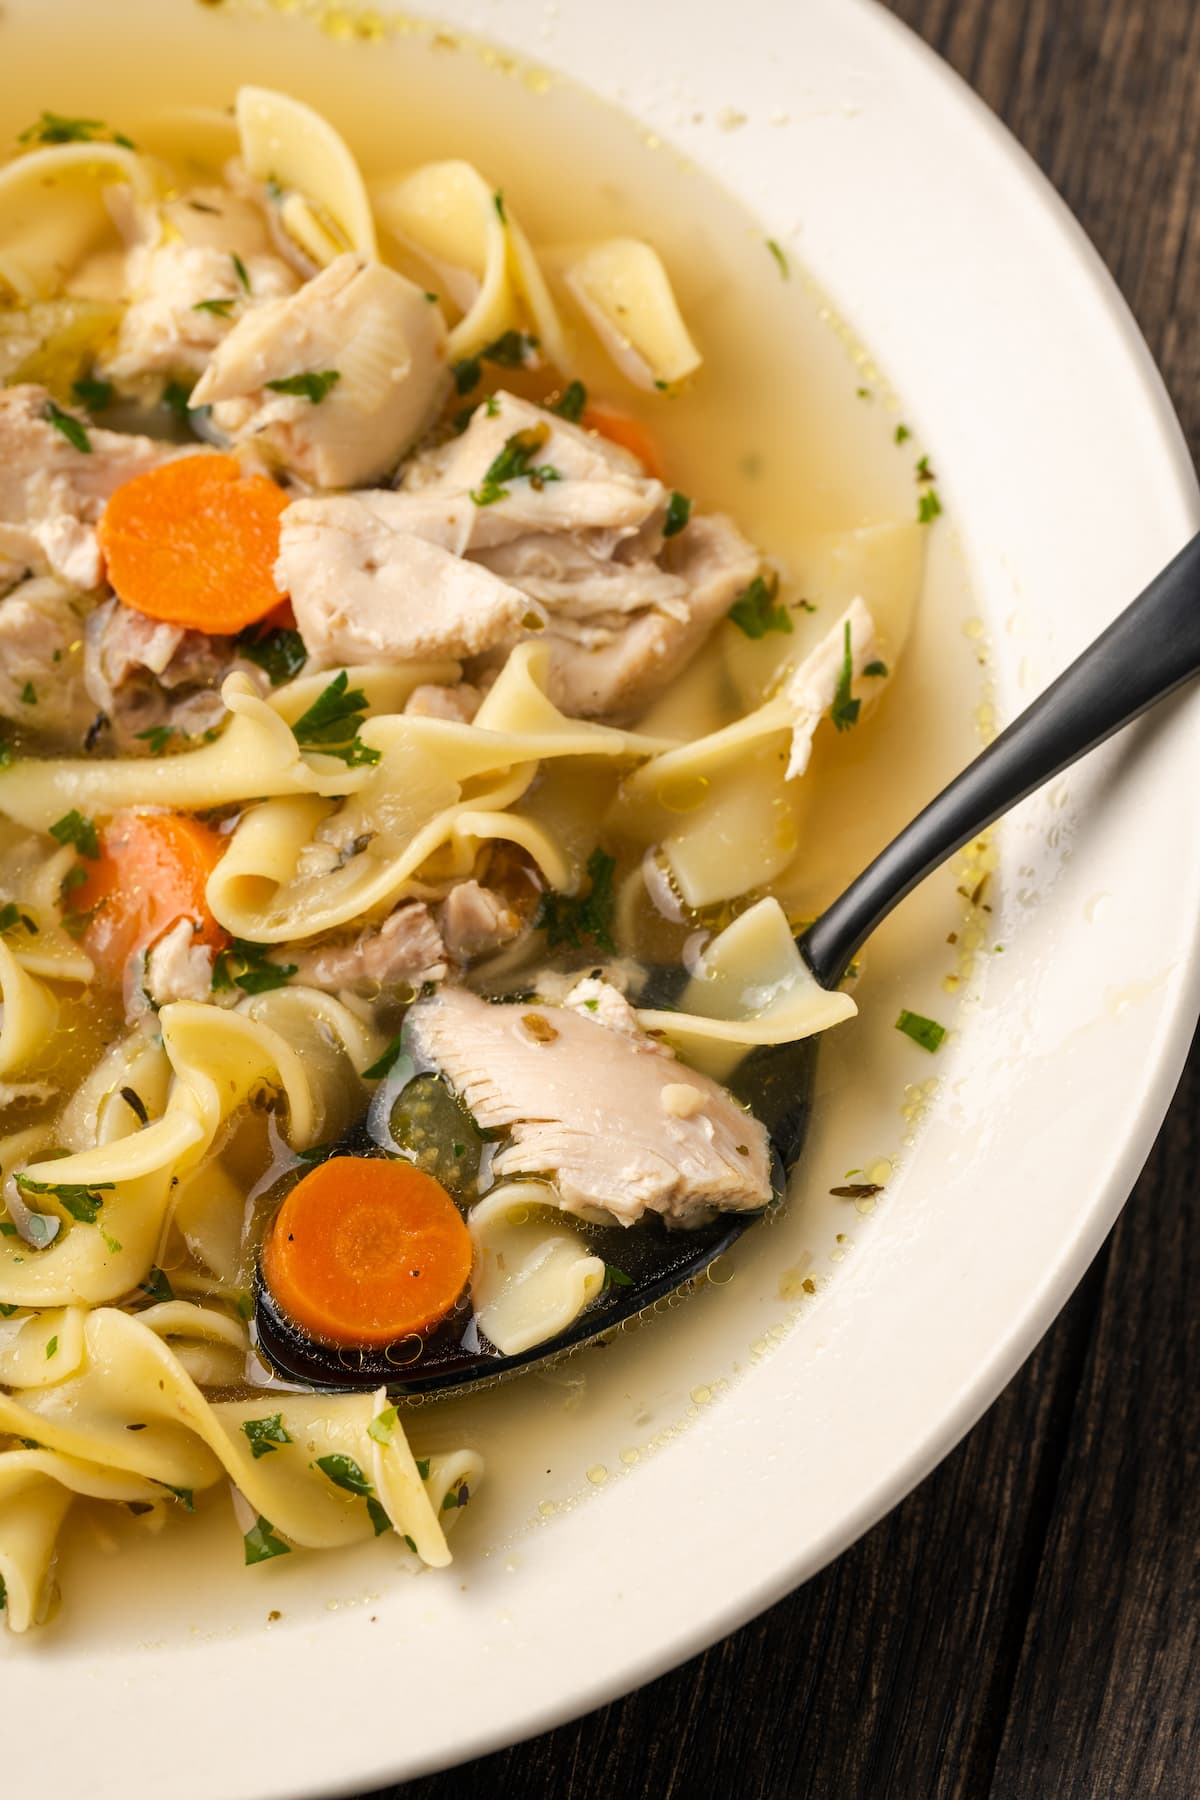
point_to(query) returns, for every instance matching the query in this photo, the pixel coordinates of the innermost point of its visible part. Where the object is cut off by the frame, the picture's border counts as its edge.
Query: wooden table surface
(1026, 1625)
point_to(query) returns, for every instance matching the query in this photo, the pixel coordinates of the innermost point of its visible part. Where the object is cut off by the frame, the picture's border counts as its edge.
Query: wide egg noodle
(624, 292)
(33, 881)
(41, 245)
(323, 205)
(447, 214)
(184, 1443)
(430, 774)
(753, 987)
(29, 1015)
(532, 1275)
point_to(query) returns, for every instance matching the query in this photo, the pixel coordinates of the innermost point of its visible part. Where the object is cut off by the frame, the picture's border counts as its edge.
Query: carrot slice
(194, 543)
(151, 872)
(365, 1251)
(622, 428)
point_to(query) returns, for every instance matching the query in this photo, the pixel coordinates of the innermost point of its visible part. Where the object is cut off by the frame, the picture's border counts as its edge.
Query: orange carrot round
(365, 1251)
(151, 872)
(623, 429)
(194, 543)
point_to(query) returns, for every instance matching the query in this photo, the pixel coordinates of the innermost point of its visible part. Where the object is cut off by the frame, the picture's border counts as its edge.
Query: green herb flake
(863, 393)
(756, 610)
(51, 1347)
(377, 1516)
(11, 916)
(72, 429)
(314, 385)
(456, 1497)
(262, 1544)
(498, 203)
(73, 828)
(75, 877)
(332, 723)
(6, 756)
(845, 709)
(382, 1428)
(92, 394)
(157, 1287)
(345, 1473)
(466, 373)
(7, 1311)
(247, 966)
(220, 308)
(185, 1496)
(778, 253)
(81, 1200)
(902, 434)
(55, 128)
(876, 669)
(423, 1467)
(573, 402)
(280, 652)
(411, 1542)
(239, 269)
(177, 398)
(266, 1435)
(571, 920)
(679, 511)
(515, 463)
(928, 507)
(29, 694)
(923, 472)
(157, 737)
(926, 1032)
(615, 1278)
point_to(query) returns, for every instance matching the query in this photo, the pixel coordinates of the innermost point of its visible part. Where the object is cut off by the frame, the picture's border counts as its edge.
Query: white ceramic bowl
(1068, 480)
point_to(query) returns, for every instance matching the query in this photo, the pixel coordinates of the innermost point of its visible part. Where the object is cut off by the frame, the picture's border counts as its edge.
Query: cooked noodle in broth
(377, 710)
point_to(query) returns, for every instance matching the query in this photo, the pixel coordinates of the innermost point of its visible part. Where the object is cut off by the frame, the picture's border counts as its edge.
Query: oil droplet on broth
(684, 794)
(597, 1474)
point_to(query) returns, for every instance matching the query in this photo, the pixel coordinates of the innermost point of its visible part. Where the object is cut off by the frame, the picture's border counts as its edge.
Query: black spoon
(1148, 651)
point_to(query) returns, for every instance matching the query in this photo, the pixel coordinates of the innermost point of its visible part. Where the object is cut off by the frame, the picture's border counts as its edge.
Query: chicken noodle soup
(377, 713)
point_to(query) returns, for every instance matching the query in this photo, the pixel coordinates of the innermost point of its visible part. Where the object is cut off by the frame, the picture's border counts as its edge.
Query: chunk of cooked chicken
(463, 561)
(366, 324)
(365, 592)
(592, 1110)
(52, 492)
(460, 702)
(406, 949)
(189, 276)
(178, 967)
(475, 920)
(41, 683)
(144, 675)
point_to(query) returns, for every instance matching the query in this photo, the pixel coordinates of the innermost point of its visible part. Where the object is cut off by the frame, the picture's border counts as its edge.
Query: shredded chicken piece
(460, 702)
(406, 949)
(41, 684)
(52, 492)
(363, 324)
(177, 967)
(144, 675)
(582, 1104)
(475, 920)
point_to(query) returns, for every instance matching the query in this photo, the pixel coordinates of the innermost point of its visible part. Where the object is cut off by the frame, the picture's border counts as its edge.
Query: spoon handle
(1149, 649)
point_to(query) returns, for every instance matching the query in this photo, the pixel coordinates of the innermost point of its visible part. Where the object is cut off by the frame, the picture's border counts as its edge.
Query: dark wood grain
(1026, 1625)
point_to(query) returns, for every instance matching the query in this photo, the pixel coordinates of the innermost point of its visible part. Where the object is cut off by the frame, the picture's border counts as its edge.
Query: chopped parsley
(902, 434)
(158, 737)
(466, 374)
(75, 877)
(73, 828)
(387, 1062)
(185, 1496)
(377, 1516)
(344, 1472)
(877, 669)
(313, 385)
(246, 966)
(94, 395)
(51, 1347)
(498, 203)
(72, 428)
(55, 128)
(615, 1278)
(279, 652)
(382, 1428)
(926, 1032)
(679, 511)
(573, 401)
(928, 507)
(845, 709)
(757, 611)
(6, 1312)
(333, 721)
(221, 308)
(456, 1497)
(511, 350)
(423, 1467)
(262, 1544)
(923, 471)
(177, 398)
(81, 1200)
(266, 1435)
(239, 269)
(515, 463)
(157, 1287)
(29, 694)
(568, 920)
(777, 252)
